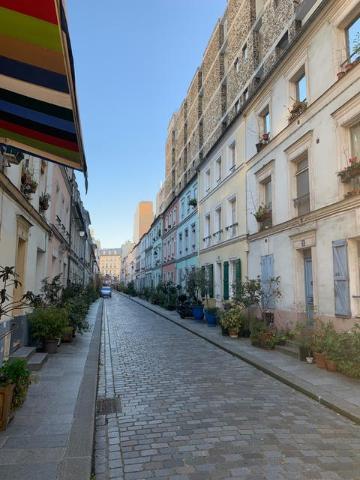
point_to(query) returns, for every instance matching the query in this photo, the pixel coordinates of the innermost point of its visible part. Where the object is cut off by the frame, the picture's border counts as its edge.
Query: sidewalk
(334, 390)
(51, 436)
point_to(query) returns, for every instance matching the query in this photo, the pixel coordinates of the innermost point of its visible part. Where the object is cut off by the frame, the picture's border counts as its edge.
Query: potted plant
(297, 109)
(211, 315)
(262, 213)
(196, 289)
(48, 325)
(352, 170)
(231, 320)
(44, 200)
(15, 380)
(28, 183)
(192, 202)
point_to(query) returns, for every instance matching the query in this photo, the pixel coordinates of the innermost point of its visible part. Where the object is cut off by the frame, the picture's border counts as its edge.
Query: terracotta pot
(320, 360)
(330, 365)
(348, 67)
(67, 336)
(233, 333)
(6, 395)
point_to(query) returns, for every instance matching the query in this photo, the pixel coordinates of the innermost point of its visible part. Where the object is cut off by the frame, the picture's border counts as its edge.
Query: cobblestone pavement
(190, 411)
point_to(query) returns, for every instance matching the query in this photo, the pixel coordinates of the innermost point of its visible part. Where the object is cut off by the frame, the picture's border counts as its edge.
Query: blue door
(309, 292)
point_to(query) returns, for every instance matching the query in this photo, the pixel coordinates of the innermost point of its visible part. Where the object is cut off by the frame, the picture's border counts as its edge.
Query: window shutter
(226, 280)
(341, 278)
(238, 272)
(211, 280)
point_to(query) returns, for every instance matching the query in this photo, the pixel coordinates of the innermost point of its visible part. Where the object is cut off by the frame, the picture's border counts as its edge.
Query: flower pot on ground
(48, 325)
(6, 396)
(320, 359)
(67, 336)
(211, 315)
(231, 319)
(330, 365)
(198, 312)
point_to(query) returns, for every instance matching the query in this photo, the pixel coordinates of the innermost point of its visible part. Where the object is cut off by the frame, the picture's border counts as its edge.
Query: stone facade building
(110, 263)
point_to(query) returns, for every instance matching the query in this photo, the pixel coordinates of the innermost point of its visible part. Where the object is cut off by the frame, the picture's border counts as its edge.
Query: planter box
(6, 395)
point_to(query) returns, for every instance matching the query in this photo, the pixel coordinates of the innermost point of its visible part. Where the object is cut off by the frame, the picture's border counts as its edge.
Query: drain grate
(106, 406)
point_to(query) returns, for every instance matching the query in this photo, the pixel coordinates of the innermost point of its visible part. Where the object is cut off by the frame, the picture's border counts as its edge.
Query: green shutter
(238, 272)
(226, 280)
(211, 280)
(203, 274)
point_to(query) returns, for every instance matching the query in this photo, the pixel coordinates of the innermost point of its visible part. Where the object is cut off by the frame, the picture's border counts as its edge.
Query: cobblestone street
(172, 406)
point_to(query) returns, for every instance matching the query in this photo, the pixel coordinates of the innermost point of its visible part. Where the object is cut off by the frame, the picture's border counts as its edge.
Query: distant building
(143, 218)
(110, 263)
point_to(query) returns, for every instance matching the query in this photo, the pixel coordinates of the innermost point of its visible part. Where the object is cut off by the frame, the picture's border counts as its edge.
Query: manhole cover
(105, 406)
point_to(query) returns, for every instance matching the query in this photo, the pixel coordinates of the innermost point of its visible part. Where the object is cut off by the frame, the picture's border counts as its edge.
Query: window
(218, 170)
(232, 154)
(245, 95)
(237, 106)
(233, 222)
(188, 197)
(244, 52)
(237, 64)
(207, 180)
(207, 231)
(268, 193)
(186, 240)
(180, 243)
(218, 223)
(183, 208)
(193, 237)
(353, 39)
(302, 201)
(300, 85)
(355, 140)
(266, 120)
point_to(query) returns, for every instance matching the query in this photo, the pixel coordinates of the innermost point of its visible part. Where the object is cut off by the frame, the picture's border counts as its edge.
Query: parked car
(105, 292)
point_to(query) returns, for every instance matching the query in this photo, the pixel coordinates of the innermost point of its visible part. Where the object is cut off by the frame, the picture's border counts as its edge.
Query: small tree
(197, 285)
(9, 279)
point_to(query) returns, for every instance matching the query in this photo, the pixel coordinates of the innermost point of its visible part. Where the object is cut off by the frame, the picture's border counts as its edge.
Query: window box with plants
(350, 175)
(263, 141)
(44, 202)
(192, 202)
(28, 183)
(297, 109)
(263, 216)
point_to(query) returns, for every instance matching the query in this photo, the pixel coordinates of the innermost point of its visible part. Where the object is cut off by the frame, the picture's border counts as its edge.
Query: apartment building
(171, 220)
(187, 245)
(110, 263)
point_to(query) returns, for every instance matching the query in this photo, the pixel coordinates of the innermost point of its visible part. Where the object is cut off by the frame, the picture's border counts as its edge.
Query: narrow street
(172, 406)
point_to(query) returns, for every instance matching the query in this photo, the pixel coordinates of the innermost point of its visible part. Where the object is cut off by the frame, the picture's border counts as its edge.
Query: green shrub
(231, 319)
(48, 323)
(77, 309)
(15, 371)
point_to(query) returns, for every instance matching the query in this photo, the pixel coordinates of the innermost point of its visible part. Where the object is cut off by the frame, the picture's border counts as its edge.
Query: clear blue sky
(134, 61)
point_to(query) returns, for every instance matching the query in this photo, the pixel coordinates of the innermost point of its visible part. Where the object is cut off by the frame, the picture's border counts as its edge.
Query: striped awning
(38, 107)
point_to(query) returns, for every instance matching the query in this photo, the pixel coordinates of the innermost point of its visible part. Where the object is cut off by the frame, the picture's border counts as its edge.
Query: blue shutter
(341, 278)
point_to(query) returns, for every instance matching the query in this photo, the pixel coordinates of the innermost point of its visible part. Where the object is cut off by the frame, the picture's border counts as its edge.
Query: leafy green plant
(231, 319)
(9, 280)
(48, 323)
(15, 371)
(77, 308)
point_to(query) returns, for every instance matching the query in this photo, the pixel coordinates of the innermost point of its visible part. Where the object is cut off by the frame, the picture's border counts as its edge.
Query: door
(309, 293)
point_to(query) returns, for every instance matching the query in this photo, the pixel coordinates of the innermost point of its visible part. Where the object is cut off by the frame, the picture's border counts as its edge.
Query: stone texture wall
(218, 88)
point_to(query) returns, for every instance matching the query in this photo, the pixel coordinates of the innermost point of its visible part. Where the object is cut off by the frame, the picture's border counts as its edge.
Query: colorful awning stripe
(38, 107)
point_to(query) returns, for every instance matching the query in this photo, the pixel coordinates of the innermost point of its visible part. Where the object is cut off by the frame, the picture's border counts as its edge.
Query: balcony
(232, 230)
(207, 241)
(218, 236)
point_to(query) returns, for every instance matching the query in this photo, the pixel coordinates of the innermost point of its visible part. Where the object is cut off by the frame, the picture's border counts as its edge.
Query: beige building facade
(110, 263)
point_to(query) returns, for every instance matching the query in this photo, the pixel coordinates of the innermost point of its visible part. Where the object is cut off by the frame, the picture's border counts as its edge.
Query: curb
(78, 458)
(342, 407)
